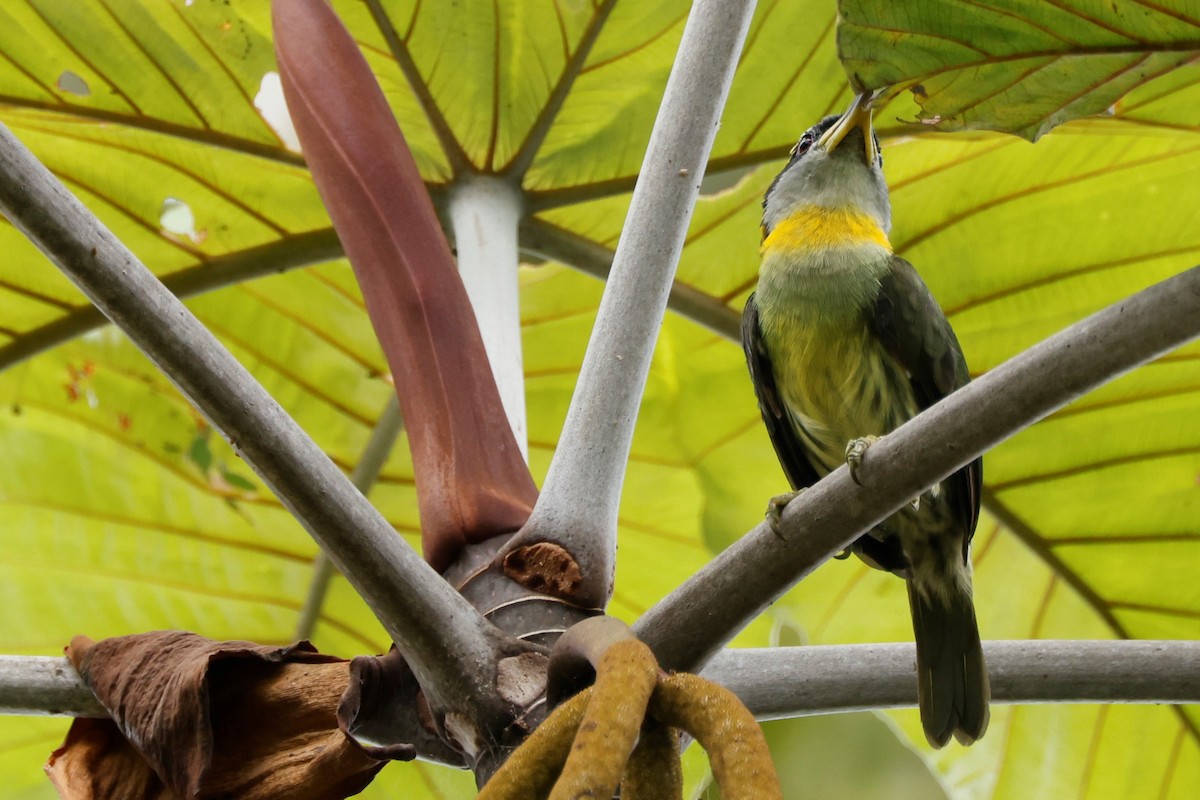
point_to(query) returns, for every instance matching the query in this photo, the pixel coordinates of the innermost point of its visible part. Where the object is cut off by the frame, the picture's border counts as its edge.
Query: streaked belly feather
(839, 387)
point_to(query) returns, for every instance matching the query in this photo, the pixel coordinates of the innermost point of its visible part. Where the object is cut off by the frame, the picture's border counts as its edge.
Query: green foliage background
(121, 512)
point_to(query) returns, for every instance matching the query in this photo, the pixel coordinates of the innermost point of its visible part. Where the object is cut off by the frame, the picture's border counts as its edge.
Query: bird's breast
(823, 263)
(816, 293)
(837, 383)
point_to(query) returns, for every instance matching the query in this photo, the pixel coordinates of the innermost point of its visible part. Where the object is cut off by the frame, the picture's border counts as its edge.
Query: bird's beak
(857, 116)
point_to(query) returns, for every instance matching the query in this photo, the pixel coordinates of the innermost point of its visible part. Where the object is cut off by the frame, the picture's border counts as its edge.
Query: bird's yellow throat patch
(818, 228)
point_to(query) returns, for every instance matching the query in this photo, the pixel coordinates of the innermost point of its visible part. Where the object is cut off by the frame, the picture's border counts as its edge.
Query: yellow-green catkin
(736, 748)
(531, 770)
(654, 771)
(625, 678)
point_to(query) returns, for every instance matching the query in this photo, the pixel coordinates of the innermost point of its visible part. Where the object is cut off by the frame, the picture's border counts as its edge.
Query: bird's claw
(775, 510)
(856, 451)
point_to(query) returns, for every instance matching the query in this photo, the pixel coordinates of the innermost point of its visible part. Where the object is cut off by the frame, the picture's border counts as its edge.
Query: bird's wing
(792, 456)
(911, 326)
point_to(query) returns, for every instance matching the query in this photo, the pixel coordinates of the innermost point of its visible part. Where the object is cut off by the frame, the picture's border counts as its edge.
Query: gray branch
(450, 647)
(50, 686)
(578, 504)
(45, 685)
(691, 623)
(780, 682)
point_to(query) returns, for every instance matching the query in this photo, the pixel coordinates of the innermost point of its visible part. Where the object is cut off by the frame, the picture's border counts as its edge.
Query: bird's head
(836, 167)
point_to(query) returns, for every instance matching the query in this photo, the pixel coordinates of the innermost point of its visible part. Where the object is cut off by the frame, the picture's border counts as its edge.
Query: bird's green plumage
(833, 373)
(844, 340)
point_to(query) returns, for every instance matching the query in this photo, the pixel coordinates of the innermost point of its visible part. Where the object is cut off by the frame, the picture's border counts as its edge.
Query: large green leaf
(1018, 66)
(122, 513)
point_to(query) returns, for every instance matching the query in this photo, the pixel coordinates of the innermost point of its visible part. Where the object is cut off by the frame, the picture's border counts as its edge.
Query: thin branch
(585, 255)
(781, 682)
(707, 610)
(366, 472)
(578, 506)
(452, 650)
(50, 686)
(292, 252)
(483, 214)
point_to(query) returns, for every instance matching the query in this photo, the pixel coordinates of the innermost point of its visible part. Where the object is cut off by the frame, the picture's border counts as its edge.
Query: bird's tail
(952, 680)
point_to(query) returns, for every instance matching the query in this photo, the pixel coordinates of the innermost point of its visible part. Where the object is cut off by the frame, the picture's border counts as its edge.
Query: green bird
(845, 343)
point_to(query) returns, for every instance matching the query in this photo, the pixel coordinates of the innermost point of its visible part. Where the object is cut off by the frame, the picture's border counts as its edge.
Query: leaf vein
(137, 43)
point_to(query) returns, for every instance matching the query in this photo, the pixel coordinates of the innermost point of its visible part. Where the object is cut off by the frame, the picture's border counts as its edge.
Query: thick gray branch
(796, 681)
(697, 618)
(783, 682)
(45, 685)
(451, 649)
(578, 504)
(49, 685)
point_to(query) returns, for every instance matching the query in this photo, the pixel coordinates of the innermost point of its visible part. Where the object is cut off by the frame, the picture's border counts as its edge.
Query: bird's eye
(801, 147)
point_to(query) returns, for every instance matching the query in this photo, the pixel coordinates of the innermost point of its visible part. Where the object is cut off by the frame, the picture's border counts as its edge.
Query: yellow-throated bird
(845, 342)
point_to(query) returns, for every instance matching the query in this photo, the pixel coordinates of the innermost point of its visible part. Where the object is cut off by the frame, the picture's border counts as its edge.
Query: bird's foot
(775, 510)
(856, 451)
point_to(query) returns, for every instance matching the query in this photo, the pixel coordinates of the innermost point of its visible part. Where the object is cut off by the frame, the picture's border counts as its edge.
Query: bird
(845, 343)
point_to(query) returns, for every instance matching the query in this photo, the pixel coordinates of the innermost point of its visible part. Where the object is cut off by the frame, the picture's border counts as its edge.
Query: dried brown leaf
(210, 720)
(96, 762)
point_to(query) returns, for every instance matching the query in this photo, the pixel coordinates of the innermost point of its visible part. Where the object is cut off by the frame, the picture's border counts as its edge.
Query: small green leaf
(237, 481)
(199, 452)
